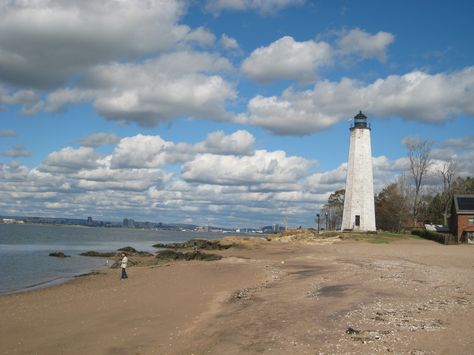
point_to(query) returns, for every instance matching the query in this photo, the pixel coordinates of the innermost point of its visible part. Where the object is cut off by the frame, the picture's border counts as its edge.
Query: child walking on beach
(124, 267)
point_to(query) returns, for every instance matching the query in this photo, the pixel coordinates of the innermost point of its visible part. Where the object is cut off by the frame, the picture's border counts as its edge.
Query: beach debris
(240, 295)
(351, 330)
(59, 254)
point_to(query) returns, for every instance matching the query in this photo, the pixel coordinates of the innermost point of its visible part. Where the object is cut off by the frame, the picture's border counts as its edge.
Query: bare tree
(419, 156)
(333, 210)
(448, 172)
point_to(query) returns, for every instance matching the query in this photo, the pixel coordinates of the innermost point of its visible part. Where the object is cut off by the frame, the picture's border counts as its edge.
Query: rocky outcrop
(129, 250)
(198, 243)
(100, 254)
(133, 252)
(172, 255)
(59, 254)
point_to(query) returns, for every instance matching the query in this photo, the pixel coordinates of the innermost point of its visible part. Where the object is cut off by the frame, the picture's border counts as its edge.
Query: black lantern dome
(360, 121)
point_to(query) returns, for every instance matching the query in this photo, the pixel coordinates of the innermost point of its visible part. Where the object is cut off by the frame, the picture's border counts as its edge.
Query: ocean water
(24, 251)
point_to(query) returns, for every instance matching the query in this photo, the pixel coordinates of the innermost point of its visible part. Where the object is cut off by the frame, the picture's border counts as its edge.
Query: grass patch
(379, 237)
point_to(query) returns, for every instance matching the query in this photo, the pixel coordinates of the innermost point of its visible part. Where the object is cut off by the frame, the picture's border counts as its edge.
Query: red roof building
(462, 218)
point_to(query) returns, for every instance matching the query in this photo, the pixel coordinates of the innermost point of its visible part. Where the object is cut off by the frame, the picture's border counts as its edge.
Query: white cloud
(229, 42)
(143, 151)
(262, 167)
(238, 143)
(71, 160)
(44, 42)
(95, 140)
(17, 151)
(28, 99)
(466, 142)
(262, 6)
(104, 178)
(174, 85)
(287, 59)
(366, 45)
(201, 36)
(414, 96)
(248, 188)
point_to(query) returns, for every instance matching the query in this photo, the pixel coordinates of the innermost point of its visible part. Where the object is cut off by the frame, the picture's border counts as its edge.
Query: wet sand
(347, 297)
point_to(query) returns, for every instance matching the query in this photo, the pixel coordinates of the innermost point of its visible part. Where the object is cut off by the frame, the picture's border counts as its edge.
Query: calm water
(24, 251)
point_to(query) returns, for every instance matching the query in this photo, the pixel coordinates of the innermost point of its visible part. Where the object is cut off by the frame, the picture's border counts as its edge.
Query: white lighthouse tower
(359, 211)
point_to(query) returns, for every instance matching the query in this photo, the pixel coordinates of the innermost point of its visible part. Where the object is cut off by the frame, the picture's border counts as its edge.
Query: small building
(462, 218)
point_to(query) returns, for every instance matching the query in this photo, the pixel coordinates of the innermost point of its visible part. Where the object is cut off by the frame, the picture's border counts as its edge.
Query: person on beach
(124, 267)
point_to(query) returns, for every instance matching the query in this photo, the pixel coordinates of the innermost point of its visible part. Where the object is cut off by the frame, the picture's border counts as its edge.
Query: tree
(391, 211)
(463, 186)
(419, 156)
(333, 210)
(447, 171)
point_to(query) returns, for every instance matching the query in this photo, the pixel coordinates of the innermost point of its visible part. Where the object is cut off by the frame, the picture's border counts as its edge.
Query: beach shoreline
(275, 297)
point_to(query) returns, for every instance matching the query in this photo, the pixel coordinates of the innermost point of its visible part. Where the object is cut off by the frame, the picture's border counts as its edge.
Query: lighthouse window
(357, 222)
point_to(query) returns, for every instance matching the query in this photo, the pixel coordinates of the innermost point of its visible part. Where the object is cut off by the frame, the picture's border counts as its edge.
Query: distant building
(462, 218)
(10, 221)
(359, 207)
(128, 223)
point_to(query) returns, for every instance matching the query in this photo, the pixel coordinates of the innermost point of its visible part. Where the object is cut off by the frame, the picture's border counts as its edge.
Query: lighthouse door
(357, 221)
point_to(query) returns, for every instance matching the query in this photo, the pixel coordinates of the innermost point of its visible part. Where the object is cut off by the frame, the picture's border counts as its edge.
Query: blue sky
(228, 112)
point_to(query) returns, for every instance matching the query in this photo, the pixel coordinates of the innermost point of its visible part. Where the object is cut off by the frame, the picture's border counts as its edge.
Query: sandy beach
(328, 296)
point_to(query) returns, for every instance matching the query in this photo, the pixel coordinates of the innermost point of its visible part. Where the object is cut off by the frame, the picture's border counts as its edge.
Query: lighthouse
(359, 211)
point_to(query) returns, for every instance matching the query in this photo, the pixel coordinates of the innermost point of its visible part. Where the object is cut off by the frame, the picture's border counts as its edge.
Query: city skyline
(228, 113)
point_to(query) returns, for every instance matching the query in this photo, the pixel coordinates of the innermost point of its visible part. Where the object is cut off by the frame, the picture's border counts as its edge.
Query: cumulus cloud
(44, 42)
(249, 187)
(142, 151)
(366, 45)
(417, 96)
(95, 140)
(262, 6)
(17, 151)
(238, 143)
(287, 59)
(262, 167)
(145, 151)
(173, 85)
(71, 160)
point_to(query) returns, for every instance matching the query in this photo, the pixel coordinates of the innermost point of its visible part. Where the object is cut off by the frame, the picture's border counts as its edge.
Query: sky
(231, 113)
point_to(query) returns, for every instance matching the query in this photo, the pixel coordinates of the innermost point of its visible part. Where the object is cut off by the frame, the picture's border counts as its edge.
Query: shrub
(442, 238)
